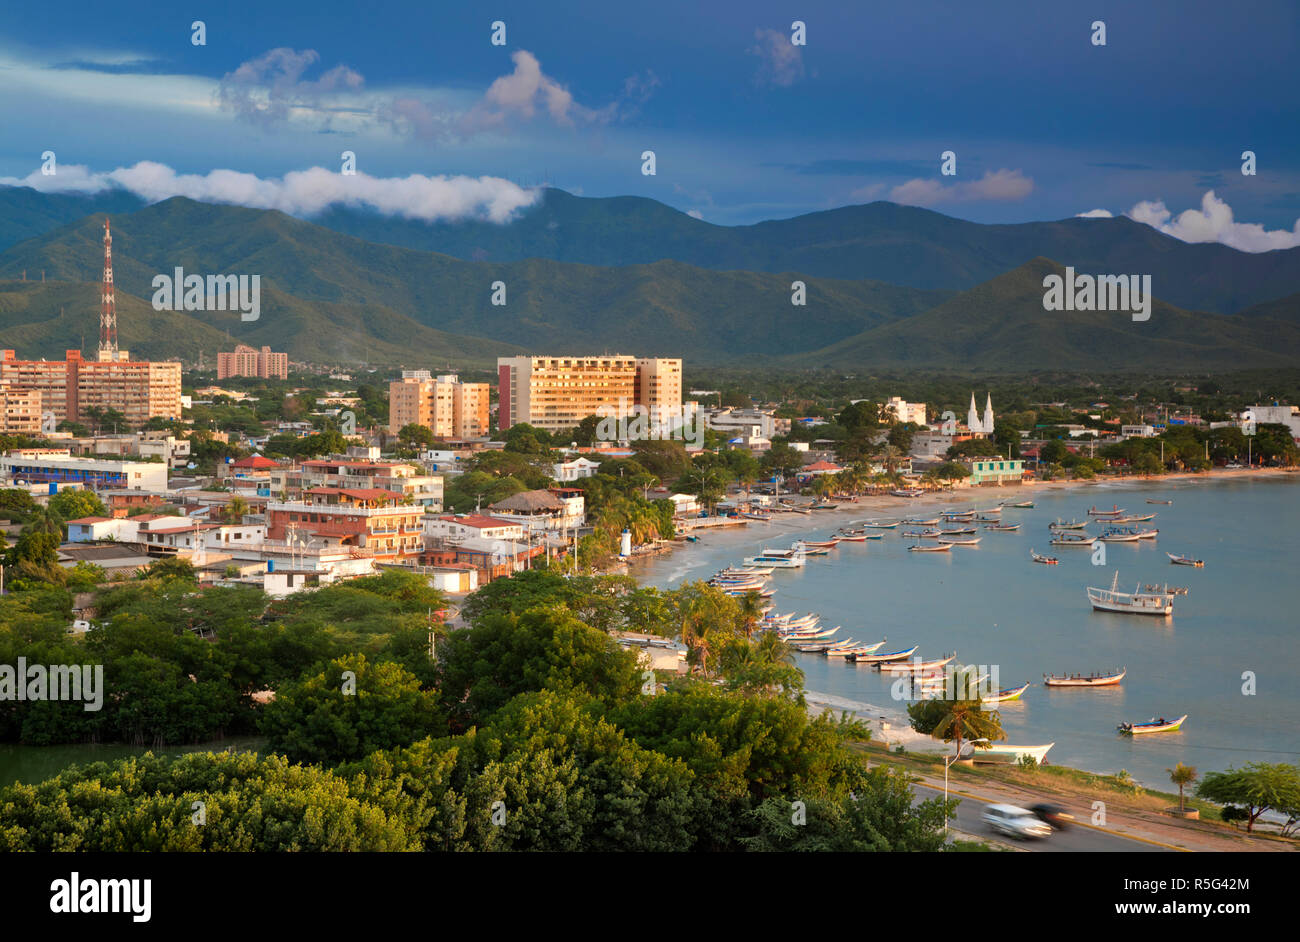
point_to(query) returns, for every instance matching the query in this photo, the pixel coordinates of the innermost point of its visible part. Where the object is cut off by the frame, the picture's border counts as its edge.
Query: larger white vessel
(1136, 602)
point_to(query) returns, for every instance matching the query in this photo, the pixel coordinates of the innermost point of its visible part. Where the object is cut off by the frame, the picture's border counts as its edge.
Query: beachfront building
(997, 470)
(1274, 415)
(444, 405)
(574, 469)
(555, 393)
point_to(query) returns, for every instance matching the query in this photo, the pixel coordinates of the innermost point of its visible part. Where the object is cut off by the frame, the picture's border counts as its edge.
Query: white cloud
(305, 192)
(1096, 214)
(1214, 222)
(781, 60)
(267, 88)
(695, 214)
(995, 185)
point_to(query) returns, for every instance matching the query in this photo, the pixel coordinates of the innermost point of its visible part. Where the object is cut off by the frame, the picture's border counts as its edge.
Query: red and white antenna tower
(108, 307)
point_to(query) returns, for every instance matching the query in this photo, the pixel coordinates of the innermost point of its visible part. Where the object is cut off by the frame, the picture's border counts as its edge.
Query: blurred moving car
(1016, 822)
(1054, 815)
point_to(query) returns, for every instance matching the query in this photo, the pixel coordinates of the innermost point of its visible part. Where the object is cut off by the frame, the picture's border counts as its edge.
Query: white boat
(912, 667)
(1136, 602)
(960, 540)
(777, 559)
(922, 548)
(1007, 754)
(1185, 561)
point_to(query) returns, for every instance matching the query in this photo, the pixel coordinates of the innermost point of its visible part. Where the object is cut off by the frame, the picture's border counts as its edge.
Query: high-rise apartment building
(445, 405)
(258, 364)
(139, 389)
(555, 393)
(20, 410)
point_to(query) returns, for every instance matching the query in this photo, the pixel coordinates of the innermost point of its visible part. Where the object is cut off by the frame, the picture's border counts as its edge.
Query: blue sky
(745, 126)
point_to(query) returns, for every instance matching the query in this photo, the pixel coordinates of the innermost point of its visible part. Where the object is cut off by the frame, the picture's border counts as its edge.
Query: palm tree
(965, 719)
(236, 509)
(751, 612)
(1182, 776)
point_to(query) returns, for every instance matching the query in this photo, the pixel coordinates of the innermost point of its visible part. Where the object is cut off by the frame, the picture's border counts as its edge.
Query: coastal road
(970, 818)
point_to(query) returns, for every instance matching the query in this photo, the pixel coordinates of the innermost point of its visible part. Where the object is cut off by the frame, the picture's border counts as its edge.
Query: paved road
(970, 818)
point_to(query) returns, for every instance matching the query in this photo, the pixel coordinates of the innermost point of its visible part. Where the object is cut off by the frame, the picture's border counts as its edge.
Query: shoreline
(867, 505)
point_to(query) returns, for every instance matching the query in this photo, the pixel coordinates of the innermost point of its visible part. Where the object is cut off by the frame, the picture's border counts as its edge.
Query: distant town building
(555, 393)
(995, 471)
(977, 425)
(364, 522)
(1275, 415)
(69, 388)
(752, 422)
(20, 410)
(445, 405)
(904, 411)
(55, 467)
(256, 364)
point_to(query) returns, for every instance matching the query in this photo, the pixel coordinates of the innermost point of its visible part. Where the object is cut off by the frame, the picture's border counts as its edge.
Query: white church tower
(973, 421)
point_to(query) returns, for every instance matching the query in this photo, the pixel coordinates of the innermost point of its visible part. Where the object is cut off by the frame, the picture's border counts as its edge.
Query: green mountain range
(1001, 325)
(330, 297)
(899, 245)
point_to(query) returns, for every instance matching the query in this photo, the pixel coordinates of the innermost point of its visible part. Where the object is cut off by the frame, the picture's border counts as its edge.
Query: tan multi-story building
(257, 364)
(659, 384)
(555, 393)
(139, 389)
(20, 410)
(444, 405)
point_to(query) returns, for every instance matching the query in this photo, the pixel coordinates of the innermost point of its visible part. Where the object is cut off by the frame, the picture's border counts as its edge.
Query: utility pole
(432, 644)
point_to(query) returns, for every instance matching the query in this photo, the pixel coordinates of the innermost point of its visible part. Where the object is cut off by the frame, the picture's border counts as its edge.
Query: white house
(474, 526)
(574, 469)
(90, 529)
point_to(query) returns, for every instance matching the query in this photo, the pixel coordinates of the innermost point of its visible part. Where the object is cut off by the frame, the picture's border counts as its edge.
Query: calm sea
(993, 606)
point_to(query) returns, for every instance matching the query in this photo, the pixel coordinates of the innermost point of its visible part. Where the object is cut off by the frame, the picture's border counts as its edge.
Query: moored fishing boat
(1136, 602)
(1006, 754)
(1119, 535)
(1166, 502)
(1185, 561)
(854, 537)
(1154, 726)
(1095, 679)
(913, 667)
(922, 534)
(822, 505)
(822, 544)
(1115, 511)
(876, 525)
(918, 522)
(925, 548)
(800, 547)
(1019, 503)
(1133, 518)
(886, 658)
(1072, 525)
(1066, 539)
(956, 531)
(908, 492)
(1006, 695)
(960, 540)
(1003, 527)
(1045, 560)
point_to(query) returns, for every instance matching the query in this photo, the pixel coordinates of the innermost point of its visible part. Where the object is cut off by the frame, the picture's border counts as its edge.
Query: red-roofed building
(363, 521)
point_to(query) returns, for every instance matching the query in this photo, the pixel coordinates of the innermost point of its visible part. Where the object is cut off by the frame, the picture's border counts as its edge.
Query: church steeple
(988, 415)
(973, 417)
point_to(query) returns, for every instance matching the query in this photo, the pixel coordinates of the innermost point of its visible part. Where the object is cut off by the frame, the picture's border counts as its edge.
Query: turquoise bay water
(993, 606)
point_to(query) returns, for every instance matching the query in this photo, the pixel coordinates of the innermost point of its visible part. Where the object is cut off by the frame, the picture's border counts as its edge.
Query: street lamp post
(948, 761)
